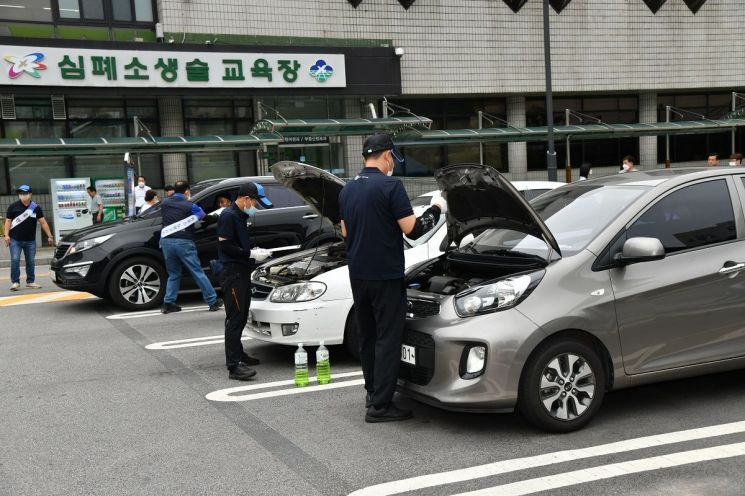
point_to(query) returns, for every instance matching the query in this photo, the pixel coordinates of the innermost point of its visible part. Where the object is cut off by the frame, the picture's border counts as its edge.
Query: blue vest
(174, 209)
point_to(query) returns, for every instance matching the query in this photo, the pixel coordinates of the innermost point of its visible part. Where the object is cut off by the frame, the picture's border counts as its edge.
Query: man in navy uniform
(20, 236)
(375, 211)
(177, 241)
(237, 257)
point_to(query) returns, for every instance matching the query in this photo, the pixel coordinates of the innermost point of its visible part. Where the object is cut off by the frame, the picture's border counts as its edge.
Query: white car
(306, 297)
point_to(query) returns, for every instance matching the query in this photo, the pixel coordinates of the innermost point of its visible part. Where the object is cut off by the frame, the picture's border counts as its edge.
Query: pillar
(352, 145)
(648, 144)
(517, 153)
(172, 124)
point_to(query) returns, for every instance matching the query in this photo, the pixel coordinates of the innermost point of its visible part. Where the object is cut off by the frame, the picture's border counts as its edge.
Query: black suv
(122, 261)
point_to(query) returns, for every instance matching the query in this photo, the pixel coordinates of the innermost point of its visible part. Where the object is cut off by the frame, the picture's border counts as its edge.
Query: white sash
(29, 212)
(178, 226)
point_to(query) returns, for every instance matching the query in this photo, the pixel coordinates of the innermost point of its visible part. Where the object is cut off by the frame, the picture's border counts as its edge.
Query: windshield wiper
(512, 253)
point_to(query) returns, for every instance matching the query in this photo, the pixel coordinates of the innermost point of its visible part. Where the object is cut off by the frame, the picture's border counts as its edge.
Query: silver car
(594, 286)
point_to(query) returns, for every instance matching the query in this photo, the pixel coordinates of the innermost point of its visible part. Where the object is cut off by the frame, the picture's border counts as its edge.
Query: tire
(351, 338)
(562, 385)
(123, 283)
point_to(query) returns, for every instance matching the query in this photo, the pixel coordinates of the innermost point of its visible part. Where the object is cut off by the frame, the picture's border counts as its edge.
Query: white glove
(440, 202)
(260, 254)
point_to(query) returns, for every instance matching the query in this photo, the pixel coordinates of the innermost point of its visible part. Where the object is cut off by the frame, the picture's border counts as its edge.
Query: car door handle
(731, 269)
(310, 216)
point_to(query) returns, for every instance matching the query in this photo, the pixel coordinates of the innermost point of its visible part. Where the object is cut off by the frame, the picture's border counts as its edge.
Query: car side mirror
(636, 250)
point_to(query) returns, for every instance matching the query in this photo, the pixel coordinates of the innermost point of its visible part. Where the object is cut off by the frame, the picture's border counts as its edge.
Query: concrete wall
(482, 47)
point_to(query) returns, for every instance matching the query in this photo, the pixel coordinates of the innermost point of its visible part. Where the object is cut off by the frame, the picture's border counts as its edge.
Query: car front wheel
(138, 283)
(562, 385)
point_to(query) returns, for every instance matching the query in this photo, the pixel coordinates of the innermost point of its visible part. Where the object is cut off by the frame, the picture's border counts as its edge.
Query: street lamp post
(551, 153)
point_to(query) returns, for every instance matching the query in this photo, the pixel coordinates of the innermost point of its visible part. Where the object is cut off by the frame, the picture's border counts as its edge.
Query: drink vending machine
(70, 205)
(111, 191)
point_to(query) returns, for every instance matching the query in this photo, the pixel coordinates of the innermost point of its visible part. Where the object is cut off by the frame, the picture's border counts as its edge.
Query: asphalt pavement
(96, 400)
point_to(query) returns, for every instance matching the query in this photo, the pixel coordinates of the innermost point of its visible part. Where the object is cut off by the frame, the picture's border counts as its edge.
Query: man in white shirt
(140, 189)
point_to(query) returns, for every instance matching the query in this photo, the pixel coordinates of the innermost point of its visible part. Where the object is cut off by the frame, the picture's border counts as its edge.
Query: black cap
(380, 142)
(255, 191)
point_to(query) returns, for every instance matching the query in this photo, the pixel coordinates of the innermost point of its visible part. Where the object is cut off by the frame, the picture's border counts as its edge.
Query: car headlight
(498, 295)
(304, 291)
(87, 244)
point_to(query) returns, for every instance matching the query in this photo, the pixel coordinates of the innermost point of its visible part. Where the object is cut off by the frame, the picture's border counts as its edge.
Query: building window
(453, 113)
(696, 147)
(604, 152)
(26, 10)
(105, 11)
(35, 171)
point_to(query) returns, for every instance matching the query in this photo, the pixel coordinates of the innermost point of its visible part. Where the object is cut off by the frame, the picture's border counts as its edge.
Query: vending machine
(111, 191)
(70, 205)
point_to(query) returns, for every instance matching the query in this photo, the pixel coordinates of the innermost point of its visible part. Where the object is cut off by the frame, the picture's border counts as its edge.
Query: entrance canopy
(341, 127)
(585, 131)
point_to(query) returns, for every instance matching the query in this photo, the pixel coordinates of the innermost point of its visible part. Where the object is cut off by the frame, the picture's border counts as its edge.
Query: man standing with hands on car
(375, 212)
(237, 257)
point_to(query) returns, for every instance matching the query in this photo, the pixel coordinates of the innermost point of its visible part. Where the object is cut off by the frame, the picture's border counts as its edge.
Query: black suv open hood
(319, 188)
(480, 198)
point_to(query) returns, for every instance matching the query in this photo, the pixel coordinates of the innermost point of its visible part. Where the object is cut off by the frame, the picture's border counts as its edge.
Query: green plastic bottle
(301, 366)
(323, 365)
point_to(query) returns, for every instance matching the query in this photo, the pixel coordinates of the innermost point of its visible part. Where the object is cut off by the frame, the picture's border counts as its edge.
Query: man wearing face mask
(140, 191)
(238, 259)
(20, 236)
(375, 212)
(628, 164)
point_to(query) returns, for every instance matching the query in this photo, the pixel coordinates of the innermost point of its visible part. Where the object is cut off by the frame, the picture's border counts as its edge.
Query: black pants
(235, 280)
(380, 309)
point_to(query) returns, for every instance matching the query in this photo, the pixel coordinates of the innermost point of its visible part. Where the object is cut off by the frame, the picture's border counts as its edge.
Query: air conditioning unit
(8, 106)
(59, 109)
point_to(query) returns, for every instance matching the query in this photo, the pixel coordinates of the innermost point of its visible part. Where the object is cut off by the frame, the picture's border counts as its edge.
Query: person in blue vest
(177, 242)
(238, 259)
(375, 212)
(20, 236)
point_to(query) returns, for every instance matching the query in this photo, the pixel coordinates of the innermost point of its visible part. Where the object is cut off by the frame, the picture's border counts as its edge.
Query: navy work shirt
(232, 226)
(371, 205)
(26, 230)
(179, 207)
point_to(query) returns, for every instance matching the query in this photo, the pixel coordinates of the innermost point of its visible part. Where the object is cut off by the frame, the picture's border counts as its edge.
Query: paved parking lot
(96, 401)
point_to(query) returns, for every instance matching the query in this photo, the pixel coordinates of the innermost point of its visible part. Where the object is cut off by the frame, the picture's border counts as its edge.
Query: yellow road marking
(48, 297)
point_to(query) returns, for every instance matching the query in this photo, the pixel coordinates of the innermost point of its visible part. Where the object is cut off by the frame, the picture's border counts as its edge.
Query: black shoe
(170, 308)
(368, 400)
(249, 360)
(241, 372)
(391, 413)
(217, 305)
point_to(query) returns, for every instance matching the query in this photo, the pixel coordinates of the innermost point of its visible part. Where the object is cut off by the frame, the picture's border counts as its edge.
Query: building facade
(613, 60)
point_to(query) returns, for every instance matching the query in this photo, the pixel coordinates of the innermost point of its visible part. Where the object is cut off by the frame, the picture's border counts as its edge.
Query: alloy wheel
(567, 386)
(139, 284)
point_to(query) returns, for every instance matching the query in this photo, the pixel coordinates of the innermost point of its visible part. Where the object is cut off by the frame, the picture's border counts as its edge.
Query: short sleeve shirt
(96, 203)
(232, 226)
(26, 230)
(371, 205)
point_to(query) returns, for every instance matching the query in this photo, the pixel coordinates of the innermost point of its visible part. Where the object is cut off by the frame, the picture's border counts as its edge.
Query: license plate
(53, 276)
(408, 354)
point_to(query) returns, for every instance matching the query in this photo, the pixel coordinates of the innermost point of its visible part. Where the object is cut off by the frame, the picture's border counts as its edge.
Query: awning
(586, 131)
(340, 127)
(102, 146)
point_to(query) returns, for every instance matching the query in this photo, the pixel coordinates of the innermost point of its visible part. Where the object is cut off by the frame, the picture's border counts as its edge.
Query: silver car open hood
(319, 188)
(480, 198)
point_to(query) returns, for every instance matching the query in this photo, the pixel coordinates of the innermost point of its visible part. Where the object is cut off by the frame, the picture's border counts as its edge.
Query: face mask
(733, 163)
(249, 211)
(23, 197)
(626, 167)
(141, 184)
(393, 164)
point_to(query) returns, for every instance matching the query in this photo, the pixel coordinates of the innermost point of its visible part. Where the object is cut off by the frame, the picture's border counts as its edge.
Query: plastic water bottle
(301, 366)
(323, 366)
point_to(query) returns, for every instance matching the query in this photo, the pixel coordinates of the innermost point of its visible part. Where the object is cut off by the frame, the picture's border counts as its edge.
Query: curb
(4, 264)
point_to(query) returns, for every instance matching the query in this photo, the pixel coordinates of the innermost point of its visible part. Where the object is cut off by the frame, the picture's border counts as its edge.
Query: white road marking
(188, 343)
(513, 465)
(612, 470)
(152, 313)
(230, 394)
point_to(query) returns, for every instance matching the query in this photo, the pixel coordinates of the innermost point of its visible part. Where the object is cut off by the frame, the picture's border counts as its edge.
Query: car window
(529, 194)
(209, 202)
(691, 217)
(283, 197)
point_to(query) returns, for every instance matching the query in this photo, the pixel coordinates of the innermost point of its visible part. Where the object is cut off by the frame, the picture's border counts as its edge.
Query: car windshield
(574, 215)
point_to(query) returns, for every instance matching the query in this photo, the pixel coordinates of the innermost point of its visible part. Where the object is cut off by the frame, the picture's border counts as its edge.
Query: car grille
(422, 372)
(61, 250)
(260, 291)
(419, 309)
